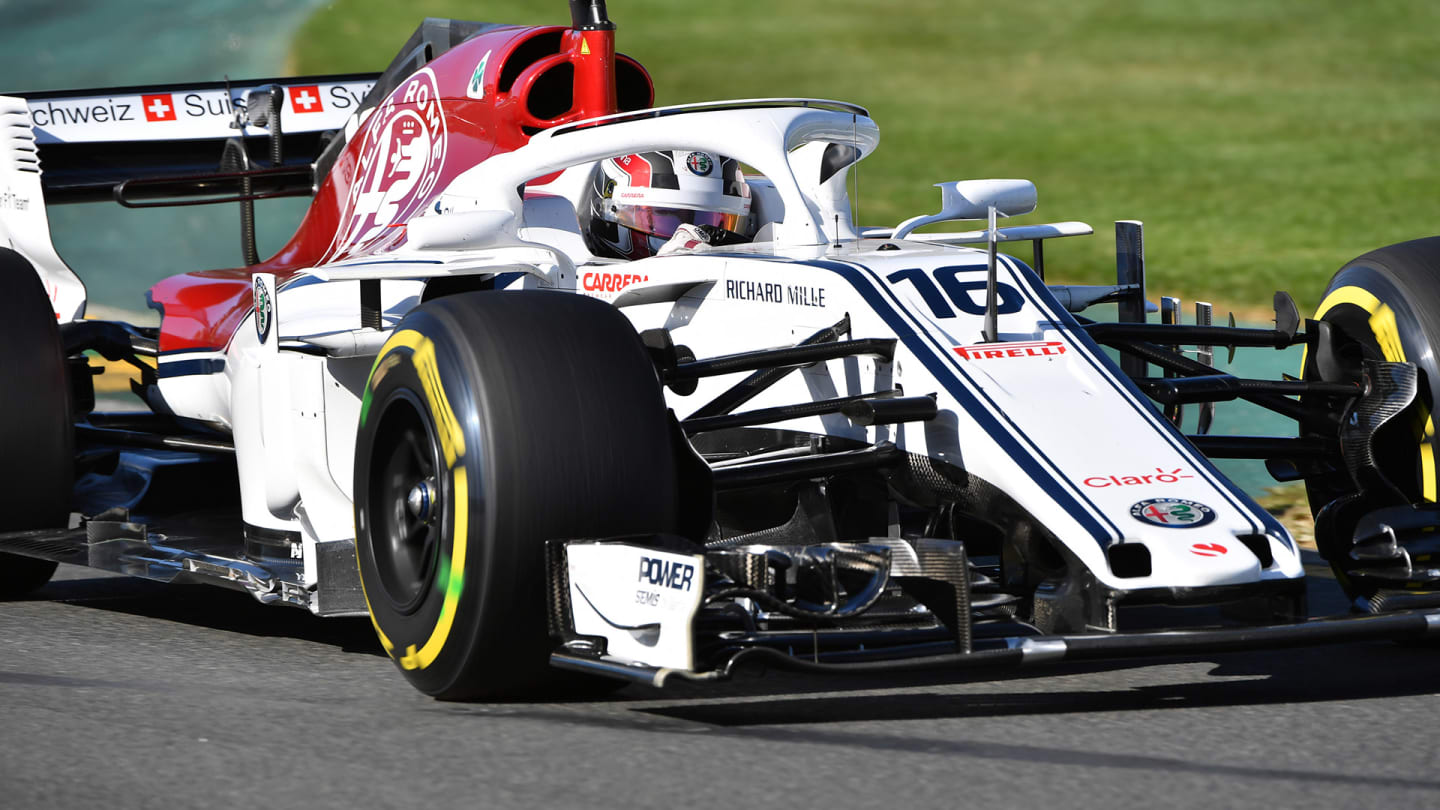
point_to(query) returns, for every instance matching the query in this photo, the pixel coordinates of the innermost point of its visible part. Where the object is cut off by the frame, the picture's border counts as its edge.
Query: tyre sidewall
(428, 640)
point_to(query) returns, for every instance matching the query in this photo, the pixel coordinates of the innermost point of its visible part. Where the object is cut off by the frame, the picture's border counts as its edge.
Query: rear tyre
(491, 423)
(1384, 305)
(35, 430)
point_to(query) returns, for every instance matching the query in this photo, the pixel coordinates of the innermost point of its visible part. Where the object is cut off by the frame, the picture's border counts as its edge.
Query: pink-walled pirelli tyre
(1385, 306)
(492, 422)
(36, 436)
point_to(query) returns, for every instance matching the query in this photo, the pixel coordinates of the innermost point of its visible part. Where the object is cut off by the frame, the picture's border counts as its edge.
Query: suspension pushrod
(1319, 421)
(1190, 334)
(817, 466)
(1225, 387)
(765, 416)
(790, 357)
(753, 385)
(1265, 447)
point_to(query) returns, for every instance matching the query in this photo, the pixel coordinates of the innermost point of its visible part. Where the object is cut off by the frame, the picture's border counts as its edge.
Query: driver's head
(640, 200)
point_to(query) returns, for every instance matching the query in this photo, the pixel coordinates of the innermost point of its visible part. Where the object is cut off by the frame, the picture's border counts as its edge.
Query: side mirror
(468, 229)
(971, 199)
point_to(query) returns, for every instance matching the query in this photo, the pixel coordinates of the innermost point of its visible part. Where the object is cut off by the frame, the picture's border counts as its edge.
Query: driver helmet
(639, 201)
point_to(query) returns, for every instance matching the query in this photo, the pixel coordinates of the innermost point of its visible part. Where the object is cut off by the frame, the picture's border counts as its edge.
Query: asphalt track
(118, 693)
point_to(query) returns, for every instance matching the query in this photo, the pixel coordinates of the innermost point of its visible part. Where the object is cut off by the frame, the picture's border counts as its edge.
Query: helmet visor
(665, 221)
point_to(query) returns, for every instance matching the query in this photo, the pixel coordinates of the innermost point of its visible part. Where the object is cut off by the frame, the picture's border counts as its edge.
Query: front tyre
(491, 423)
(1382, 306)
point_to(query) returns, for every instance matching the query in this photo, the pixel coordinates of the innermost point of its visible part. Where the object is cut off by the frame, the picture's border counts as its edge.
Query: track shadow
(892, 742)
(209, 607)
(854, 722)
(1352, 672)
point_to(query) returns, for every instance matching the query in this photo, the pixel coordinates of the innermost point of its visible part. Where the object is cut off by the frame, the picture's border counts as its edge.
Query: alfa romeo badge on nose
(1172, 513)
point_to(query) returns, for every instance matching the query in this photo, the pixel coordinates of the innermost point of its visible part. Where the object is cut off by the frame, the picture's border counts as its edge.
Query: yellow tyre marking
(453, 579)
(1387, 334)
(384, 639)
(1427, 460)
(452, 445)
(452, 441)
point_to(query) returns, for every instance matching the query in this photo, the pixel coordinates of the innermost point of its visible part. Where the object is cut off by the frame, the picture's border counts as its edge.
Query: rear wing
(91, 141)
(170, 141)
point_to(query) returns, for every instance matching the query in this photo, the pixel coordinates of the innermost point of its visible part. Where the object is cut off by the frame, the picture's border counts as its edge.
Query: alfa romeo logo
(699, 163)
(1172, 513)
(401, 157)
(264, 312)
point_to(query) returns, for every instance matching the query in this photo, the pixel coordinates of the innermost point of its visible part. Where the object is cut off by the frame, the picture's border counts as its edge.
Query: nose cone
(1201, 560)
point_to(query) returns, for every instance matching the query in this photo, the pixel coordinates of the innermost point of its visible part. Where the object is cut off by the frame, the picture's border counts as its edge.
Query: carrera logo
(609, 282)
(994, 351)
(1172, 513)
(1160, 476)
(1209, 550)
(400, 160)
(666, 574)
(306, 99)
(159, 107)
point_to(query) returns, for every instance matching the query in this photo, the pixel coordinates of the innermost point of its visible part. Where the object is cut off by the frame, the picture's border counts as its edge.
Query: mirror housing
(971, 199)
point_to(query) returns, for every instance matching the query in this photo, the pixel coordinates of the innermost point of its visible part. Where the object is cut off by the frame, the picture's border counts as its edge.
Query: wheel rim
(406, 505)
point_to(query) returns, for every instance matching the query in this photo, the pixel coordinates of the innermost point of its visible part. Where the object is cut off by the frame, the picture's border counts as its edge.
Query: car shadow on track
(1349, 672)
(890, 741)
(209, 607)
(1352, 672)
(808, 711)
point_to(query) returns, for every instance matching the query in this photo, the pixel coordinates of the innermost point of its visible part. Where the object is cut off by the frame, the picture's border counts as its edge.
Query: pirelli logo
(1018, 349)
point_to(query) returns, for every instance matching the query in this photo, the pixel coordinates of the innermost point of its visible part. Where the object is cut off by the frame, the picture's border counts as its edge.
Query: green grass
(1263, 142)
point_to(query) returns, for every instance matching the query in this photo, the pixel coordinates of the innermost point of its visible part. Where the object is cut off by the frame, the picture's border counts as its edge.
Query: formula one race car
(543, 417)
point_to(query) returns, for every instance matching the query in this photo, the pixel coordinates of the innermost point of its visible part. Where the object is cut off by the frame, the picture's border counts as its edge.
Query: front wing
(637, 612)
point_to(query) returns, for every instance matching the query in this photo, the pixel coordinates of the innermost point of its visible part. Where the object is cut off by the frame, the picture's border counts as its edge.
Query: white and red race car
(810, 444)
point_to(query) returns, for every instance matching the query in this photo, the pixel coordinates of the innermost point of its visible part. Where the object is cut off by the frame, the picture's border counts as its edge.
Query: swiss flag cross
(159, 107)
(306, 99)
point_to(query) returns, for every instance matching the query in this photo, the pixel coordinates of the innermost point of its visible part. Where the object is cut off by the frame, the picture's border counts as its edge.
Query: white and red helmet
(640, 200)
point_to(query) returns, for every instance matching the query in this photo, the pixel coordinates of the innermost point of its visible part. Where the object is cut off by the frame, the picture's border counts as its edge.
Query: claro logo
(1160, 476)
